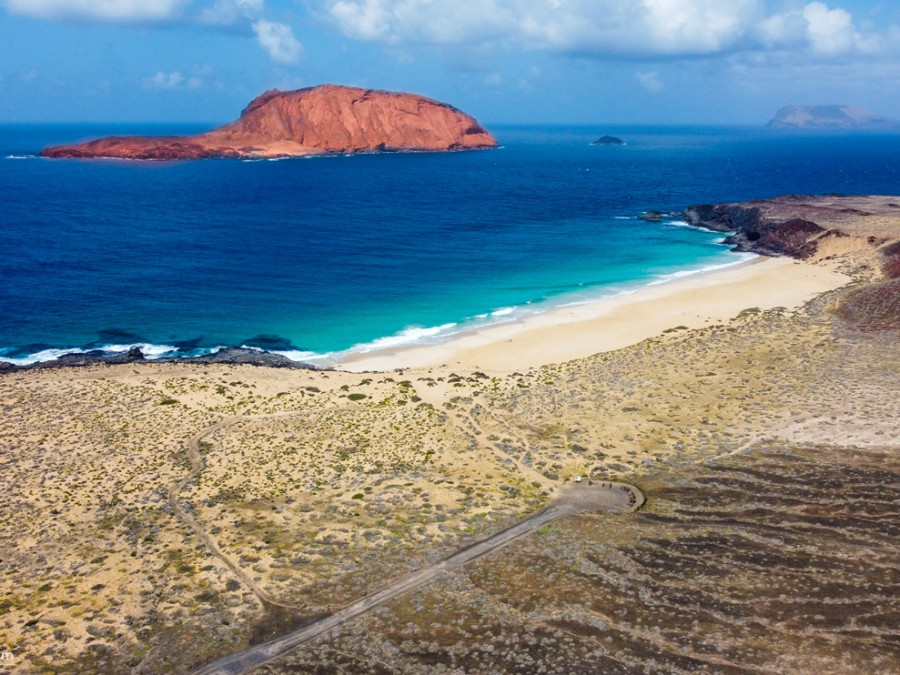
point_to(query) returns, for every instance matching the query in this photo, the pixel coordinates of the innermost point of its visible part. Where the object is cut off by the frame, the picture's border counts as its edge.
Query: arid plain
(158, 516)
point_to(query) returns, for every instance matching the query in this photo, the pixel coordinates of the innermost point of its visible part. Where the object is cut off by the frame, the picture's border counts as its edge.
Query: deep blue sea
(320, 256)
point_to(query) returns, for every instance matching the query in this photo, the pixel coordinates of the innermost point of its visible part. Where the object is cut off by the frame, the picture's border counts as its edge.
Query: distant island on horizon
(838, 117)
(609, 140)
(327, 119)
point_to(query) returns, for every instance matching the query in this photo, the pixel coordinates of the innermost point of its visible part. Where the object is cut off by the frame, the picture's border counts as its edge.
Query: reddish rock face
(328, 119)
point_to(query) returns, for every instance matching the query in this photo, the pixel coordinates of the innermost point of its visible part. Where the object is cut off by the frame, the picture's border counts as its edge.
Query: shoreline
(557, 334)
(427, 337)
(578, 331)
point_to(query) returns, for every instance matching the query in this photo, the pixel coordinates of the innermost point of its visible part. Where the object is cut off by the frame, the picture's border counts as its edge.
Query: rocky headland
(808, 227)
(859, 235)
(227, 356)
(328, 119)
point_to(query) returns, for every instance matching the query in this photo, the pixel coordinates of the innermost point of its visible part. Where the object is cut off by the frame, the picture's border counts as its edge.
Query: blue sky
(504, 61)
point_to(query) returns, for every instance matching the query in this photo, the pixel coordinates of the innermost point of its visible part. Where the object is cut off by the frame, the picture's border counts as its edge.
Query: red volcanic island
(327, 119)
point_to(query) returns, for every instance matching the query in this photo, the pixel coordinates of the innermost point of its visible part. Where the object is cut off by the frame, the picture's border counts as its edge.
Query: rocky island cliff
(328, 119)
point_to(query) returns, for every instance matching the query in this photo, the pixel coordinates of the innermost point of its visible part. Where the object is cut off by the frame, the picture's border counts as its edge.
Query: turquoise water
(314, 257)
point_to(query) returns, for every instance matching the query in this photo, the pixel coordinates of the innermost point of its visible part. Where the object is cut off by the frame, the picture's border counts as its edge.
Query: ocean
(317, 257)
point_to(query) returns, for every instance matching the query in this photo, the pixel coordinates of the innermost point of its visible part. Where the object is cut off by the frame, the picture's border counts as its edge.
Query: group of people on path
(632, 498)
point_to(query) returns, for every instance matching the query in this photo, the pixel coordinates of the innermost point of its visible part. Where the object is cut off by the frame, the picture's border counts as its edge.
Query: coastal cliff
(328, 119)
(860, 235)
(807, 227)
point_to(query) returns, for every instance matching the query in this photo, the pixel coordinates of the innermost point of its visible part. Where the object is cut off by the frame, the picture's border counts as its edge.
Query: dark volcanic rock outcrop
(653, 216)
(78, 360)
(327, 119)
(802, 226)
(228, 355)
(754, 231)
(241, 355)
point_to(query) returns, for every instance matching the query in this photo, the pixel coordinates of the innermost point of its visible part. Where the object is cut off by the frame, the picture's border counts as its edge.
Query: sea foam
(149, 350)
(406, 337)
(706, 269)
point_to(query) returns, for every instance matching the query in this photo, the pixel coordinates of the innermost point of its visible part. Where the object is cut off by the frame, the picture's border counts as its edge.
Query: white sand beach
(578, 331)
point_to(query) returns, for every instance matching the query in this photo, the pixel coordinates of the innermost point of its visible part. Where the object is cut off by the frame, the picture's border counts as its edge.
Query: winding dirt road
(599, 496)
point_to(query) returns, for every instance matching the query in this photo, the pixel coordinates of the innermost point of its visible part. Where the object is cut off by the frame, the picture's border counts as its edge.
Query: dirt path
(598, 496)
(197, 466)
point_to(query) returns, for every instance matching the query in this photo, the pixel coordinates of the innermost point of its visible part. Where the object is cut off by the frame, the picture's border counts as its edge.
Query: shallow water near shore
(316, 257)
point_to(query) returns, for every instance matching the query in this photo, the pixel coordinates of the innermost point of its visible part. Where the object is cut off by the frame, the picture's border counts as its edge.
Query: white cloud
(178, 80)
(830, 31)
(367, 20)
(584, 26)
(279, 41)
(422, 21)
(98, 10)
(166, 80)
(276, 38)
(602, 28)
(781, 30)
(824, 31)
(650, 81)
(241, 16)
(230, 12)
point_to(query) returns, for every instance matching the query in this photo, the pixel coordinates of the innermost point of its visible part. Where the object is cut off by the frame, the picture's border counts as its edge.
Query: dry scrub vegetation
(781, 559)
(767, 448)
